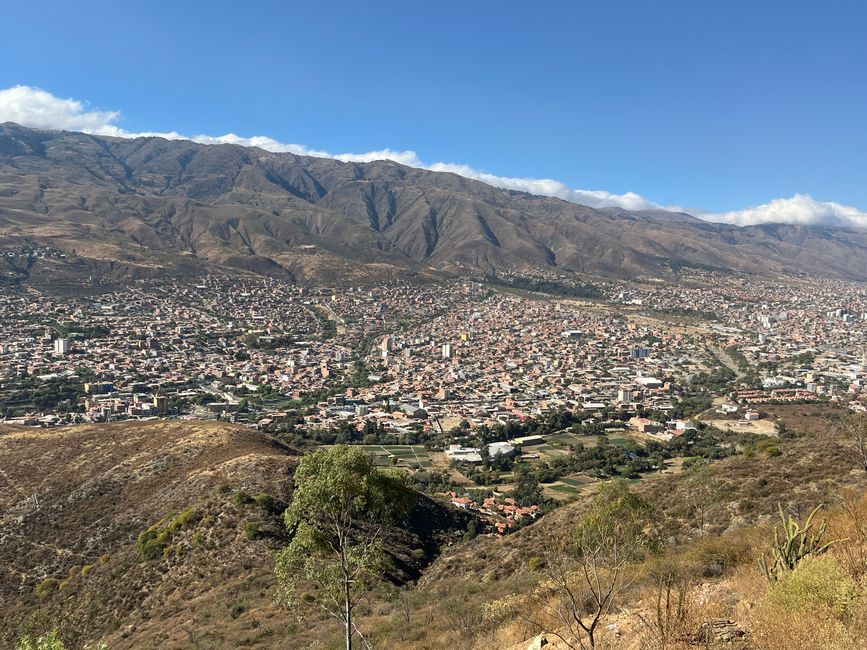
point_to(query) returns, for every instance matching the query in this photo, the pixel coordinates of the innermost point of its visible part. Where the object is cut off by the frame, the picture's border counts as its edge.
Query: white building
(460, 454)
(61, 346)
(503, 448)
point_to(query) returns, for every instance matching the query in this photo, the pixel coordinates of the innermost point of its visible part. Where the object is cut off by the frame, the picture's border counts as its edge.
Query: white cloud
(41, 110)
(550, 187)
(261, 141)
(800, 209)
(37, 108)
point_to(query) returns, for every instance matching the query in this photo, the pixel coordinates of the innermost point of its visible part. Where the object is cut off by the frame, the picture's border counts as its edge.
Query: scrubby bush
(816, 583)
(811, 607)
(265, 501)
(712, 557)
(269, 503)
(50, 641)
(156, 541)
(252, 530)
(47, 587)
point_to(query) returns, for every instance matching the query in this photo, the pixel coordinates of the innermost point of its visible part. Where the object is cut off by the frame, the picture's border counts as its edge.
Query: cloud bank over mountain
(37, 108)
(800, 209)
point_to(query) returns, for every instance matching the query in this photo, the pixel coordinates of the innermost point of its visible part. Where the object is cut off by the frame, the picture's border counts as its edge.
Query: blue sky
(715, 106)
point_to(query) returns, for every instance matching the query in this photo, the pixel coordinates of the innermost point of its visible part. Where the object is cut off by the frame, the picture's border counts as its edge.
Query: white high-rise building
(386, 346)
(448, 351)
(61, 346)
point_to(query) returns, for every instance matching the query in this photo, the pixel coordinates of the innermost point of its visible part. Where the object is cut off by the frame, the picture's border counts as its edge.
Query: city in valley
(470, 386)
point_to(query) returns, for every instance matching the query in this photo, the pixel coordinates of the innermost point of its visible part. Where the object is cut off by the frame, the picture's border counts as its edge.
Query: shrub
(50, 641)
(237, 609)
(251, 530)
(264, 499)
(242, 498)
(810, 607)
(266, 502)
(816, 583)
(712, 557)
(187, 518)
(156, 541)
(47, 587)
(152, 542)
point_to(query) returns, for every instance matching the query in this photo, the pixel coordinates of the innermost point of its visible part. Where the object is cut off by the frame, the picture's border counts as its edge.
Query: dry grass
(717, 576)
(99, 487)
(823, 603)
(202, 581)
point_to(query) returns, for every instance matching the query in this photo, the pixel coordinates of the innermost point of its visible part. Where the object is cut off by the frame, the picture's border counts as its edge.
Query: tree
(854, 427)
(527, 491)
(339, 508)
(703, 493)
(609, 536)
(585, 573)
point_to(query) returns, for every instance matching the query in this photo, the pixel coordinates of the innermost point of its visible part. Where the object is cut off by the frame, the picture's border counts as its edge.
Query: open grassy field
(563, 440)
(805, 418)
(401, 456)
(570, 487)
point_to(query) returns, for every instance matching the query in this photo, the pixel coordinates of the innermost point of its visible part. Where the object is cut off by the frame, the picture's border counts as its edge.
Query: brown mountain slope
(455, 595)
(152, 203)
(74, 502)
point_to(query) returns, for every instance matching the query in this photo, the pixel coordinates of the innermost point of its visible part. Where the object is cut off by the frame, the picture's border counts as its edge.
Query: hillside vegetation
(165, 534)
(161, 534)
(711, 573)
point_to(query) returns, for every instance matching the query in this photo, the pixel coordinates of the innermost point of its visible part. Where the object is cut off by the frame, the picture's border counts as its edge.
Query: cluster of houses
(502, 514)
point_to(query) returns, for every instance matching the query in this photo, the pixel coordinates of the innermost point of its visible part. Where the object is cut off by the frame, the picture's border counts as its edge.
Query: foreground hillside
(133, 206)
(164, 534)
(208, 497)
(713, 567)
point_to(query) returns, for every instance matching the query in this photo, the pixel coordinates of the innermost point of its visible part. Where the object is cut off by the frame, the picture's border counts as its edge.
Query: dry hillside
(75, 502)
(138, 205)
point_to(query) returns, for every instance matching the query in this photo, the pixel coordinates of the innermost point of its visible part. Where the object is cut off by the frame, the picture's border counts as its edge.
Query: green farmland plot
(577, 480)
(407, 456)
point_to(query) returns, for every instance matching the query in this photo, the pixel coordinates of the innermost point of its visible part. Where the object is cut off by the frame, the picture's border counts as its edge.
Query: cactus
(795, 544)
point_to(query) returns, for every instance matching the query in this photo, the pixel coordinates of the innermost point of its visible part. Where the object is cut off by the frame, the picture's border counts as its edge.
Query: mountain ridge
(151, 203)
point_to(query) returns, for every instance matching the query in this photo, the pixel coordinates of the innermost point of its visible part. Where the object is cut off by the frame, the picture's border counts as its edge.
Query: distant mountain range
(140, 206)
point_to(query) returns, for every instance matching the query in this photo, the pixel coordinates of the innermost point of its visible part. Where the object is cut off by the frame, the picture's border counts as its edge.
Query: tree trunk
(348, 616)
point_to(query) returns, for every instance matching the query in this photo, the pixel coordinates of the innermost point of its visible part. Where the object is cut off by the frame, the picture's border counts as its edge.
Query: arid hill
(716, 566)
(75, 502)
(133, 206)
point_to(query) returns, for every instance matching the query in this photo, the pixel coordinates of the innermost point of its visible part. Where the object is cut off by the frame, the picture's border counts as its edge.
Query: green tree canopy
(337, 515)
